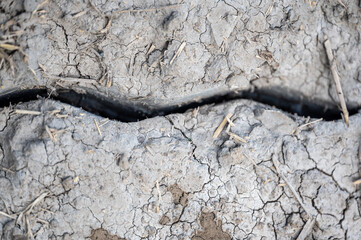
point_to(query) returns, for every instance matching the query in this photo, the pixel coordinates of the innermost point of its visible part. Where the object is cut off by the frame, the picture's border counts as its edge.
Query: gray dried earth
(167, 177)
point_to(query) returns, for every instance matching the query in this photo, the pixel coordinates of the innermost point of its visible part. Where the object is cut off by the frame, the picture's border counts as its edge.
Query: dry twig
(276, 163)
(336, 78)
(29, 112)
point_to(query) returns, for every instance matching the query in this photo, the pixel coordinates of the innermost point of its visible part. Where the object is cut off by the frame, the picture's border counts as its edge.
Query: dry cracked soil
(237, 169)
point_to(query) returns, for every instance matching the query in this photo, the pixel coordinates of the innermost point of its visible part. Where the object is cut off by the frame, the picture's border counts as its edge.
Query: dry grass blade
(342, 4)
(109, 82)
(30, 207)
(54, 112)
(307, 229)
(250, 159)
(233, 135)
(71, 79)
(159, 196)
(97, 125)
(295, 194)
(269, 9)
(42, 221)
(7, 215)
(236, 137)
(145, 9)
(25, 214)
(150, 150)
(34, 74)
(50, 133)
(29, 233)
(7, 58)
(1, 62)
(276, 164)
(9, 37)
(151, 48)
(38, 7)
(104, 122)
(221, 126)
(43, 68)
(6, 170)
(62, 115)
(295, 131)
(79, 14)
(230, 122)
(336, 78)
(95, 8)
(179, 51)
(109, 23)
(101, 80)
(310, 123)
(76, 179)
(9, 47)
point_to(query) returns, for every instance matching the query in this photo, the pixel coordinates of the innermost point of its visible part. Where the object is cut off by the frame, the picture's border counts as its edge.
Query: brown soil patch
(102, 234)
(212, 230)
(178, 195)
(164, 220)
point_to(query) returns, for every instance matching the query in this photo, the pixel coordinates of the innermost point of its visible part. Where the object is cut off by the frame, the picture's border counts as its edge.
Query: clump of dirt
(164, 220)
(102, 234)
(178, 195)
(212, 229)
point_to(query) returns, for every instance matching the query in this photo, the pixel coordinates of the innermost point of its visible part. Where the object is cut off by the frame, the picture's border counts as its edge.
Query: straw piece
(358, 181)
(307, 229)
(336, 78)
(145, 9)
(50, 133)
(221, 126)
(179, 51)
(97, 125)
(29, 112)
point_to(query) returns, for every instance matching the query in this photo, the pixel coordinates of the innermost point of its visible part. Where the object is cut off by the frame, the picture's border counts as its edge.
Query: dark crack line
(133, 110)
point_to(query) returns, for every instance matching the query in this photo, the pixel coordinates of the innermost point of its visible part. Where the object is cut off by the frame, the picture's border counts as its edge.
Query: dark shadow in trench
(132, 110)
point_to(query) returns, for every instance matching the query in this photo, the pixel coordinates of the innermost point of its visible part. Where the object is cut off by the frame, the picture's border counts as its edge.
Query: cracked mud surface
(167, 177)
(228, 45)
(141, 180)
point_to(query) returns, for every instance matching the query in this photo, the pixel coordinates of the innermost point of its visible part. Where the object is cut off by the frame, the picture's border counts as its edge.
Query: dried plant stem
(336, 78)
(307, 229)
(145, 9)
